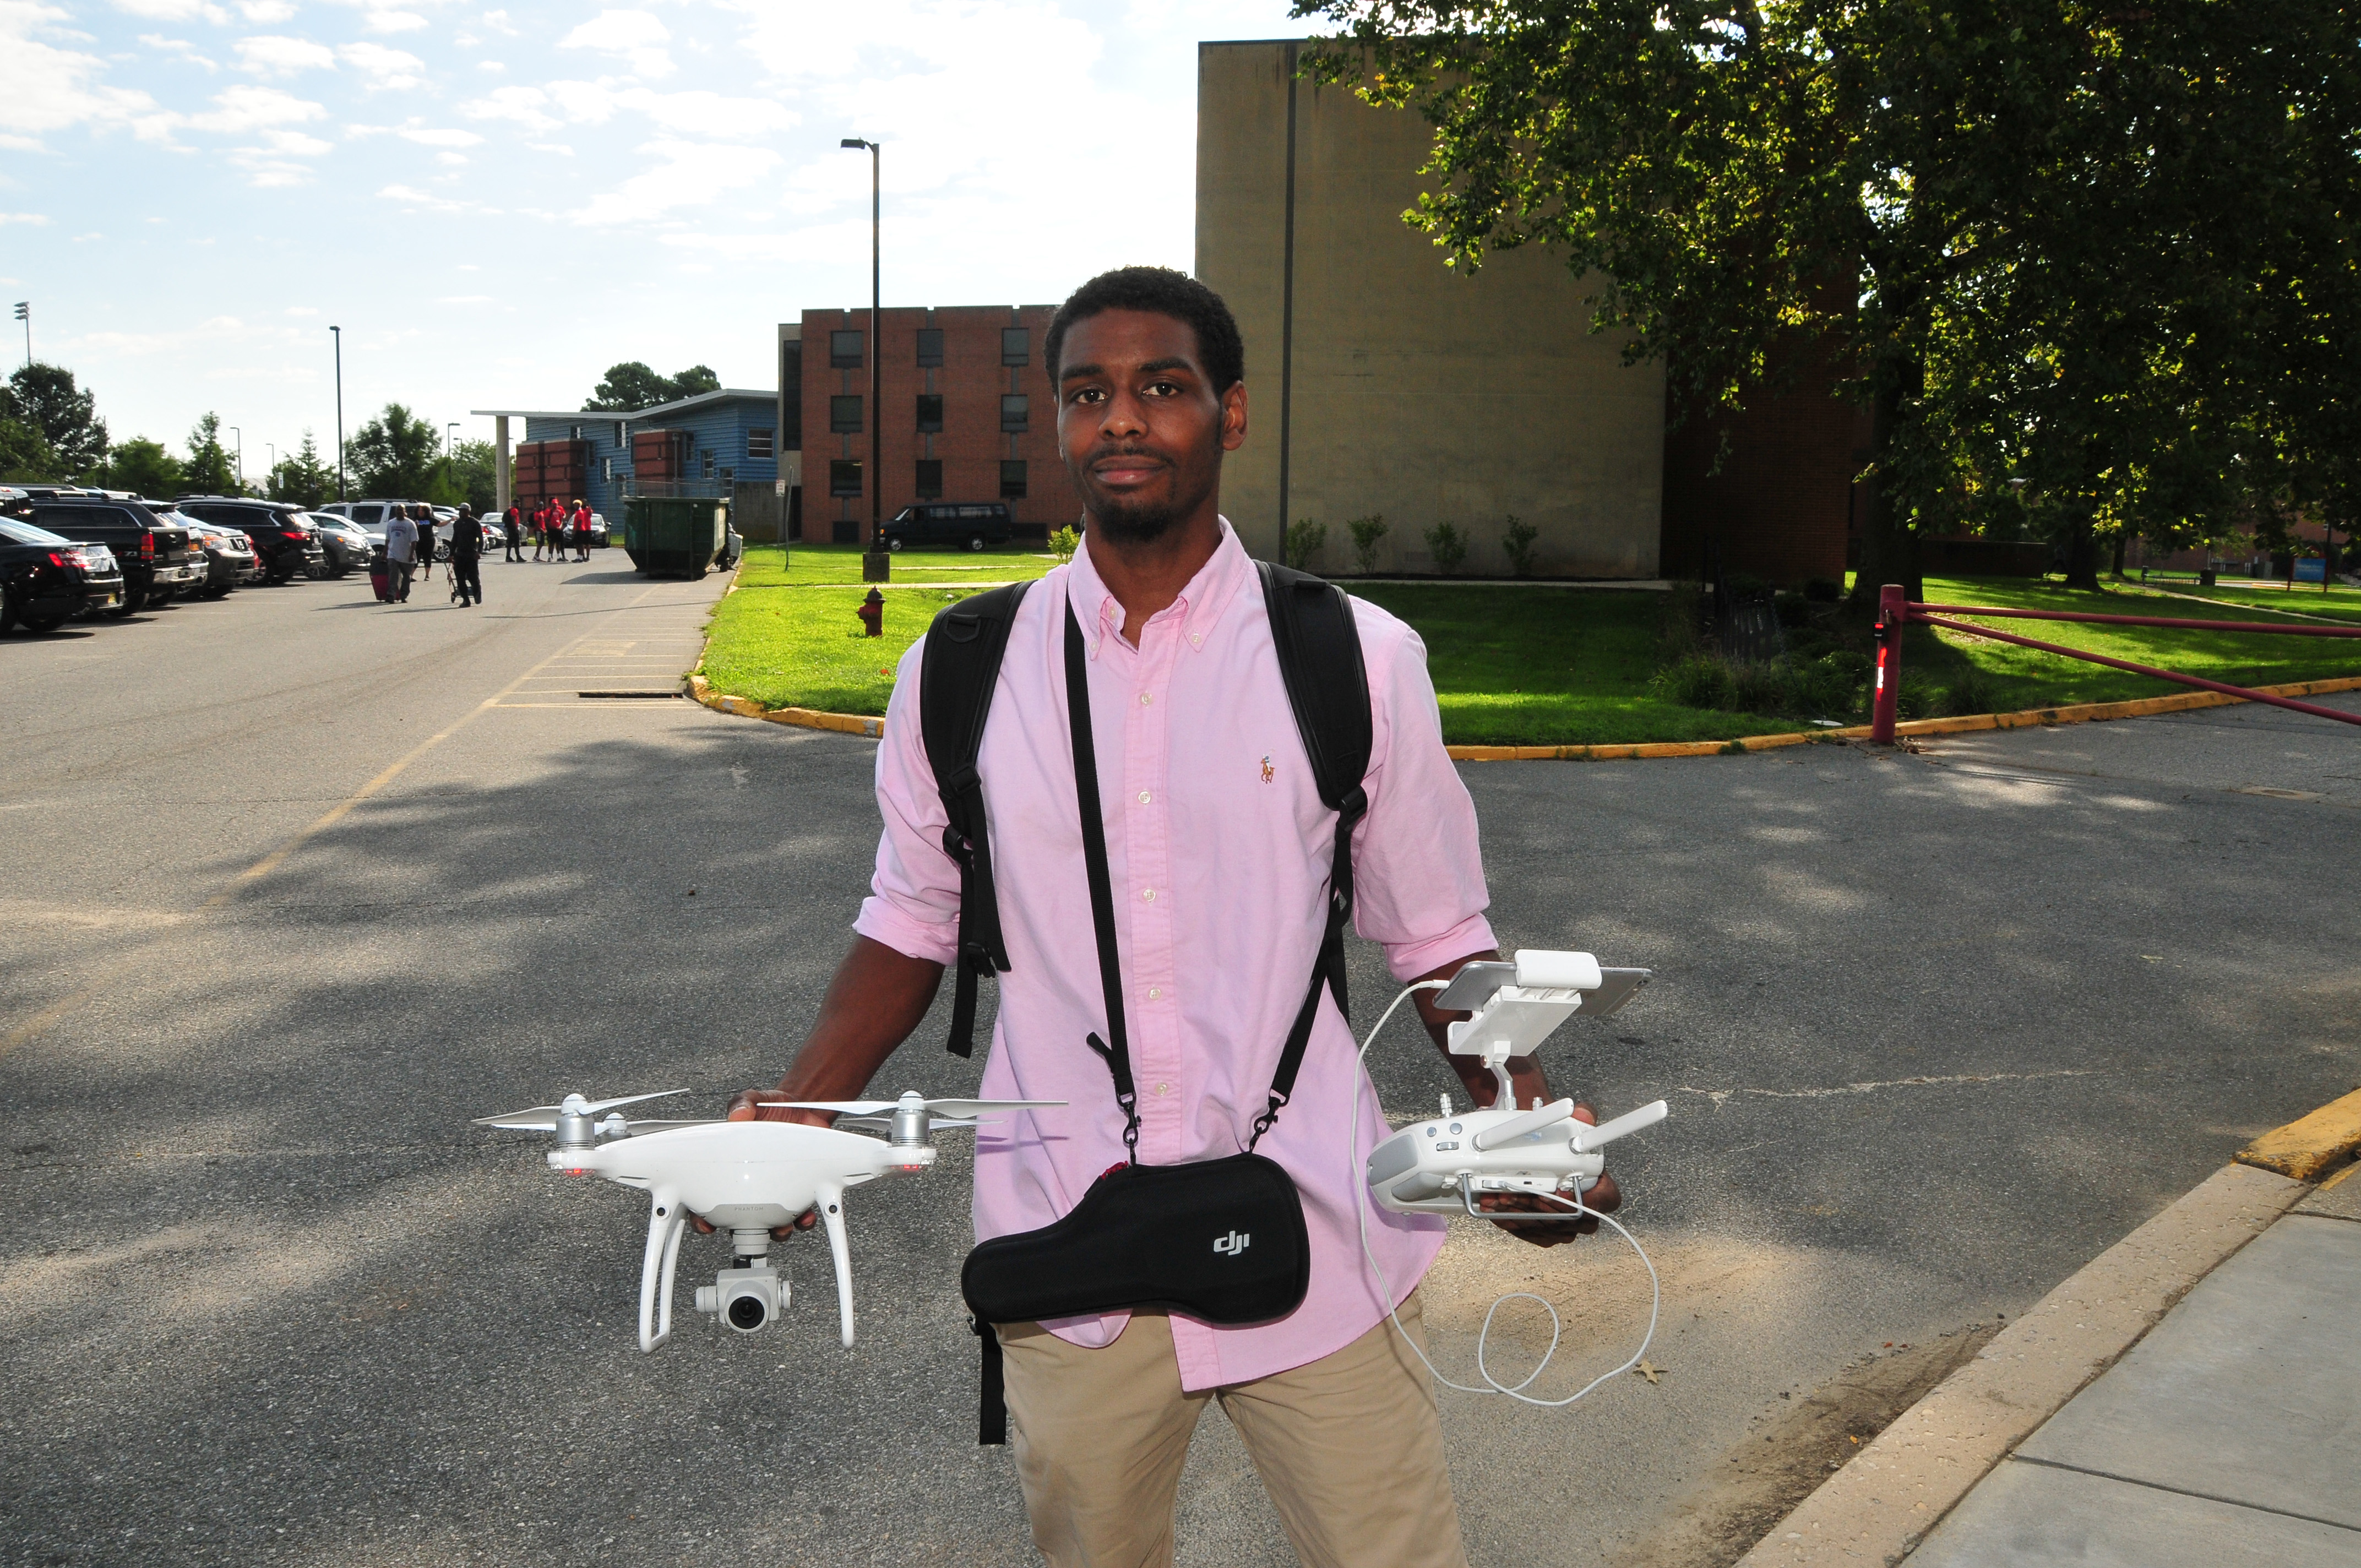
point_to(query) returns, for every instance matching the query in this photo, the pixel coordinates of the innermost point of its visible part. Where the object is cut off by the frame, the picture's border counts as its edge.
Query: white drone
(746, 1178)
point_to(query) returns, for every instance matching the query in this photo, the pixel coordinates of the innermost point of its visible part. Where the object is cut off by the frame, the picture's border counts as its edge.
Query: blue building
(715, 444)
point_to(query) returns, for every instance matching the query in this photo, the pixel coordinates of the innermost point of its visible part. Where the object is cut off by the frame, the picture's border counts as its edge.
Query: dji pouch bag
(1222, 1240)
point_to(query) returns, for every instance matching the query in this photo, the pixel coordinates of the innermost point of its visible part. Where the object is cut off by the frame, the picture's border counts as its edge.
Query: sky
(496, 204)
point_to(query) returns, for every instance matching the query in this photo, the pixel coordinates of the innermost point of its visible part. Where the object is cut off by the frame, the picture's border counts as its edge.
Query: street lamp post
(876, 565)
(339, 333)
(25, 314)
(238, 437)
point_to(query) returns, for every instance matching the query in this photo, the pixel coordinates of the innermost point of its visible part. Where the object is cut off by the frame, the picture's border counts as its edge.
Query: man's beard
(1135, 522)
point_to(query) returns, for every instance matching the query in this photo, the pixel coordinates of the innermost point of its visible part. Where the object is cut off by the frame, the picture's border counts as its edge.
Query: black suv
(287, 543)
(155, 555)
(962, 525)
(46, 580)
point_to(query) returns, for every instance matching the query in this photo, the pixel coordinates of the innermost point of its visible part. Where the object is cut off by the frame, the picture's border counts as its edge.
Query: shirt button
(1163, 1089)
(1197, 638)
(1143, 797)
(1154, 992)
(1148, 893)
(1146, 698)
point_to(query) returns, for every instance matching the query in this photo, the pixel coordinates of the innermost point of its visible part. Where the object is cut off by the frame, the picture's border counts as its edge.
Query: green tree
(209, 470)
(46, 398)
(144, 467)
(395, 455)
(2031, 224)
(632, 386)
(468, 475)
(25, 452)
(300, 477)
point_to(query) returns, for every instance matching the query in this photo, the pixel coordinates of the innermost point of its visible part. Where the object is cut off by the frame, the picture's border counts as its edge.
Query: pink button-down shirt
(1218, 853)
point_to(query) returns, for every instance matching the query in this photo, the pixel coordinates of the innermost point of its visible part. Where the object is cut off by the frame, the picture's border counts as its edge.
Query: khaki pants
(1350, 1448)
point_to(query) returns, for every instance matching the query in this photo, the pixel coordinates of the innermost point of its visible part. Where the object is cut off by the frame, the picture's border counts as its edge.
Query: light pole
(339, 335)
(450, 439)
(25, 314)
(876, 566)
(239, 437)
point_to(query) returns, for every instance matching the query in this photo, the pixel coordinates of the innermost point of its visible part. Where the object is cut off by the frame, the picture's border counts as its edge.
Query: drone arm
(666, 1220)
(830, 1204)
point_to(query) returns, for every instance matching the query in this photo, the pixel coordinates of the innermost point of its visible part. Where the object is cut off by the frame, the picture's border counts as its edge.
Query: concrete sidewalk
(2230, 1434)
(2191, 1397)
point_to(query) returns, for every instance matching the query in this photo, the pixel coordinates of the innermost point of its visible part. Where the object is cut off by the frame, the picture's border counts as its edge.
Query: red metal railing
(1894, 612)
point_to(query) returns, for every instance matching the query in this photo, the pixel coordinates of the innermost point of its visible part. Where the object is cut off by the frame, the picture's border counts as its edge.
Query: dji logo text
(1233, 1243)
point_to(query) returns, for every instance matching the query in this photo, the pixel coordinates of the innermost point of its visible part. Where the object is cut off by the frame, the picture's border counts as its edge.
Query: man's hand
(1605, 1197)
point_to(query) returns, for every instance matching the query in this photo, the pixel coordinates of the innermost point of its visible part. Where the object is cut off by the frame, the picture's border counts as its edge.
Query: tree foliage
(145, 468)
(209, 470)
(301, 477)
(467, 475)
(45, 397)
(632, 386)
(2105, 252)
(395, 455)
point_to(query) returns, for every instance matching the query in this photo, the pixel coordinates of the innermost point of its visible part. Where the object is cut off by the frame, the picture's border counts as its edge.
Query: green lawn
(1528, 666)
(2339, 603)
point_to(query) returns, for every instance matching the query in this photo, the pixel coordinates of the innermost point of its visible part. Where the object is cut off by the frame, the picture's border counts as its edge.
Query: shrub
(1448, 545)
(1699, 680)
(1823, 590)
(1792, 609)
(1369, 532)
(1064, 542)
(1305, 537)
(1827, 687)
(1519, 543)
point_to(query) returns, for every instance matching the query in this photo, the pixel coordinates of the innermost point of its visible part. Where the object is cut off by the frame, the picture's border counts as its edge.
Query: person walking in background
(423, 515)
(581, 529)
(401, 543)
(512, 532)
(540, 521)
(466, 552)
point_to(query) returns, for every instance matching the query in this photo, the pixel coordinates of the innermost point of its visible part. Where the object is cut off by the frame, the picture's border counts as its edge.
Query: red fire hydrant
(873, 614)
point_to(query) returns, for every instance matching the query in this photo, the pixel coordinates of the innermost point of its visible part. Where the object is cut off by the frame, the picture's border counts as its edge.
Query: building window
(576, 431)
(930, 346)
(930, 478)
(1013, 413)
(844, 477)
(619, 440)
(708, 465)
(844, 415)
(729, 476)
(758, 444)
(930, 413)
(1012, 481)
(607, 470)
(844, 351)
(1015, 346)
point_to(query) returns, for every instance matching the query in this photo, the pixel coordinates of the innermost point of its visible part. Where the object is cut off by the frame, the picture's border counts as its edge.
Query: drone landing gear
(666, 1219)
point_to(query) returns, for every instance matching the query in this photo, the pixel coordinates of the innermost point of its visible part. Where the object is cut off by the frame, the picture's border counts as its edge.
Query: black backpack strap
(1116, 1055)
(957, 675)
(1319, 648)
(992, 1409)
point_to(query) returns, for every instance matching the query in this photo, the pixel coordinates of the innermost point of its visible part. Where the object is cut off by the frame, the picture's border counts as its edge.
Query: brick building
(967, 415)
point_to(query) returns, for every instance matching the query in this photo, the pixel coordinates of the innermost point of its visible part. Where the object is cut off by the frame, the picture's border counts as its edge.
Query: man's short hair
(1167, 293)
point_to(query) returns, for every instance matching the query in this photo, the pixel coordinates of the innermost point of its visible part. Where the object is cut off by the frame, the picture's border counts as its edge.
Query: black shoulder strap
(1319, 648)
(957, 675)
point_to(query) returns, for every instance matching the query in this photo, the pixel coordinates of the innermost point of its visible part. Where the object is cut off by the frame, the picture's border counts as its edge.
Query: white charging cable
(1491, 1384)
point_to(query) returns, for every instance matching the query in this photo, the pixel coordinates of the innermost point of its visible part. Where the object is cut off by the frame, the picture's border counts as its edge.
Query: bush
(1827, 687)
(1064, 542)
(1448, 545)
(1823, 590)
(1519, 543)
(1305, 537)
(1792, 609)
(1699, 680)
(1368, 533)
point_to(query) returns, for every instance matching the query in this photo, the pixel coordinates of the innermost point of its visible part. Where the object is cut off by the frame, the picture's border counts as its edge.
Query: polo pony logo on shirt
(1265, 770)
(1234, 1243)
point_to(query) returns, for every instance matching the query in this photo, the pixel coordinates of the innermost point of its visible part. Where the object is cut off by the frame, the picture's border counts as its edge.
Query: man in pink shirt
(1219, 853)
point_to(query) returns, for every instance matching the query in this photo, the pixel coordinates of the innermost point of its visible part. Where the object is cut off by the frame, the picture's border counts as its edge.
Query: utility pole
(876, 565)
(239, 436)
(339, 335)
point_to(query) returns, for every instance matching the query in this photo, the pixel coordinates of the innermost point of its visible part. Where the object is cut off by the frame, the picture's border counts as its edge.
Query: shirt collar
(1198, 609)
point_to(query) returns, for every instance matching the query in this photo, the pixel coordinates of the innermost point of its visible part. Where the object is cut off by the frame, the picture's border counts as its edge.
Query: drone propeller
(542, 1118)
(942, 1111)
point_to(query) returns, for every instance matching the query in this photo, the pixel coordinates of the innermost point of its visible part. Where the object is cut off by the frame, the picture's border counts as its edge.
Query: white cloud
(38, 220)
(489, 65)
(451, 160)
(497, 21)
(410, 196)
(271, 55)
(633, 36)
(266, 11)
(394, 21)
(555, 147)
(91, 235)
(53, 89)
(693, 174)
(245, 108)
(525, 105)
(181, 47)
(700, 113)
(174, 10)
(301, 311)
(464, 299)
(296, 144)
(428, 137)
(388, 70)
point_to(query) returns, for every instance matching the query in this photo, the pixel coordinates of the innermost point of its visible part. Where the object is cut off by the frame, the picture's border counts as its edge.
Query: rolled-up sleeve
(1418, 868)
(913, 902)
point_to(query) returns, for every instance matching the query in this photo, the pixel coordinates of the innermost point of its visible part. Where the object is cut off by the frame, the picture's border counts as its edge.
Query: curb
(2309, 1144)
(806, 717)
(1883, 1502)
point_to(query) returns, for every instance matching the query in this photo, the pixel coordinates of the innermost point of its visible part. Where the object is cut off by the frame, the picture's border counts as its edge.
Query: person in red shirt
(582, 530)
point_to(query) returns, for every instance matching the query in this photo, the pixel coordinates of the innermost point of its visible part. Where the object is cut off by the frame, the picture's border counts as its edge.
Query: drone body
(745, 1177)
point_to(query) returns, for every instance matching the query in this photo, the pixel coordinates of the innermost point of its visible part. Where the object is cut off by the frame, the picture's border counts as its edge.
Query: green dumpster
(673, 536)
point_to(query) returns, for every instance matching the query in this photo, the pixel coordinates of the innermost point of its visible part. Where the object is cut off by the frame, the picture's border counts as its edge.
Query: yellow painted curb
(2078, 713)
(805, 717)
(2309, 1144)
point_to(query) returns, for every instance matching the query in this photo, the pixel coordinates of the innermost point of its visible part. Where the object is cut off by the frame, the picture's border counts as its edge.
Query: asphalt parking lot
(298, 883)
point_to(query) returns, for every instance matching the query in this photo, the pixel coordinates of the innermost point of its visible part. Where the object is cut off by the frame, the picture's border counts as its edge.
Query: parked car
(281, 535)
(367, 516)
(46, 579)
(230, 559)
(155, 555)
(598, 531)
(969, 525)
(346, 545)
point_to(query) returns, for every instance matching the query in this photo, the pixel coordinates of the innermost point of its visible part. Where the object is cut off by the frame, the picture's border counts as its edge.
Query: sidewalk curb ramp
(1894, 1492)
